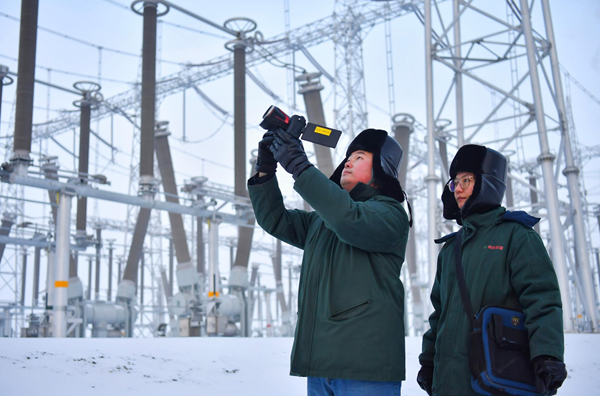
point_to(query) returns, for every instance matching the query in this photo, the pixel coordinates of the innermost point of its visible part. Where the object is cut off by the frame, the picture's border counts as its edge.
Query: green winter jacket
(350, 297)
(505, 263)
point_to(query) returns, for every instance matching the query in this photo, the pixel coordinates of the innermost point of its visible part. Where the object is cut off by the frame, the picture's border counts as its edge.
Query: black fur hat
(387, 157)
(490, 169)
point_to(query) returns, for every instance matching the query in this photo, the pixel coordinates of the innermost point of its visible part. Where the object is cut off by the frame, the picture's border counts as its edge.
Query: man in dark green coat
(504, 263)
(350, 332)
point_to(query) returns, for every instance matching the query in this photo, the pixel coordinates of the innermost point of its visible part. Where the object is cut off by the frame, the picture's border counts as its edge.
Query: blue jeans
(343, 387)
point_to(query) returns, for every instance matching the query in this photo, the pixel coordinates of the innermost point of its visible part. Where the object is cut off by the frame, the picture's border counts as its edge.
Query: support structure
(35, 292)
(465, 57)
(458, 77)
(546, 159)
(110, 269)
(25, 85)
(8, 219)
(311, 88)
(431, 179)
(98, 263)
(403, 127)
(240, 46)
(127, 287)
(60, 282)
(571, 172)
(214, 283)
(165, 164)
(350, 100)
(498, 51)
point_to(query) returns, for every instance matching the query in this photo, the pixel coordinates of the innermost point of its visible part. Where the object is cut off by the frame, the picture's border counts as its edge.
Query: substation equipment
(200, 306)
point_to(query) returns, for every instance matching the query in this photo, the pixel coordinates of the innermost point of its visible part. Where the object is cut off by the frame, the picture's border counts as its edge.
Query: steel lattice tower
(493, 49)
(350, 101)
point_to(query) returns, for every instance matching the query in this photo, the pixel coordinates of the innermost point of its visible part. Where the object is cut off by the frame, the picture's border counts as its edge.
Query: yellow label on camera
(323, 131)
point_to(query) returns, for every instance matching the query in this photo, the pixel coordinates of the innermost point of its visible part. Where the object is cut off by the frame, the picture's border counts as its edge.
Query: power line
(116, 51)
(579, 85)
(125, 7)
(73, 73)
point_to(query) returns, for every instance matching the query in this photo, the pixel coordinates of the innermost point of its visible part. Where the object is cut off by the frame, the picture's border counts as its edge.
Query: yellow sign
(213, 294)
(323, 131)
(61, 284)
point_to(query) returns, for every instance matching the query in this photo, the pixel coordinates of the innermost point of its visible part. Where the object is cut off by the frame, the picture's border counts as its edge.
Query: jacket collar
(481, 220)
(362, 192)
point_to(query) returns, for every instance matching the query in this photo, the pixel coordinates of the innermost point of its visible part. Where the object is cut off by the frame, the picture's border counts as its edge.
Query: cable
(125, 7)
(194, 30)
(200, 158)
(74, 74)
(118, 4)
(282, 64)
(206, 138)
(90, 44)
(579, 85)
(35, 107)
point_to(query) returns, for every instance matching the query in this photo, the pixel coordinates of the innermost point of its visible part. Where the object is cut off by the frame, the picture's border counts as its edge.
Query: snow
(205, 366)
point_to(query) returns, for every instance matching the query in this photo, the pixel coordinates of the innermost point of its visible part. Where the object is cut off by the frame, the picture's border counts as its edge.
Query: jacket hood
(490, 170)
(387, 157)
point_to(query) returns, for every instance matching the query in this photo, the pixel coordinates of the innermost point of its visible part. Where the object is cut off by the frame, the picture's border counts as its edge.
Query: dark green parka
(350, 298)
(505, 263)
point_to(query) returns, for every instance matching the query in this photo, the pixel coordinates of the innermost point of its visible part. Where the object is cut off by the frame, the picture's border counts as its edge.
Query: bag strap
(460, 275)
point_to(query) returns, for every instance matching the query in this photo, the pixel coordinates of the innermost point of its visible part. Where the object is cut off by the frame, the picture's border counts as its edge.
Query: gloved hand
(550, 374)
(288, 150)
(265, 163)
(425, 378)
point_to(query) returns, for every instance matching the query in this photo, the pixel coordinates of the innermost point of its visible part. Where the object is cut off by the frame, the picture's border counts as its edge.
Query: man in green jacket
(350, 332)
(504, 263)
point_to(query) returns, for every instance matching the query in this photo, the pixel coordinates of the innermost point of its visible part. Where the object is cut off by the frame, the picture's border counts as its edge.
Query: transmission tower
(528, 57)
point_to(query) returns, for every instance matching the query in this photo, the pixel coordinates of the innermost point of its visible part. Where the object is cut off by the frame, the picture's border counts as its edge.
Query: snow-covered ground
(205, 366)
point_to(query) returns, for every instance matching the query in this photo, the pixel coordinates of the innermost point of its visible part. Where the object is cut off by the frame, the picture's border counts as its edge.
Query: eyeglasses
(464, 182)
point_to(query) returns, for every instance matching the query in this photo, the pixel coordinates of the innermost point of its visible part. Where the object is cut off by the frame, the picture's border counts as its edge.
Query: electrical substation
(124, 205)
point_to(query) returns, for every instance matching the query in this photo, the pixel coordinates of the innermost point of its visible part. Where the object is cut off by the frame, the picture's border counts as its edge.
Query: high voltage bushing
(25, 85)
(310, 88)
(91, 98)
(240, 46)
(147, 188)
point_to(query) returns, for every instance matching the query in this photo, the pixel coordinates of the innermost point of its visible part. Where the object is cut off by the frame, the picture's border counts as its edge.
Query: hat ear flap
(336, 177)
(451, 210)
(388, 185)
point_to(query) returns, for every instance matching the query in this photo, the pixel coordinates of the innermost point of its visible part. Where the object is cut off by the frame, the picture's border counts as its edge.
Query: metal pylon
(518, 63)
(350, 101)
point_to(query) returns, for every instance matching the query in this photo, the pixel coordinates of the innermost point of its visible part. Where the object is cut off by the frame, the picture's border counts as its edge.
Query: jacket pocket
(351, 312)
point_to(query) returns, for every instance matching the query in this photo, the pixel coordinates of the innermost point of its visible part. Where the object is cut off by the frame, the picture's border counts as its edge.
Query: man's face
(358, 168)
(461, 194)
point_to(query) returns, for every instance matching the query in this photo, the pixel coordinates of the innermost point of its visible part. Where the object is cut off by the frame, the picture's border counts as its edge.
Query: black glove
(288, 150)
(265, 163)
(425, 378)
(550, 374)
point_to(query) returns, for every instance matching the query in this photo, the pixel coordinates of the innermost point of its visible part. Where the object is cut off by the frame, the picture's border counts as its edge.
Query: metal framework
(509, 47)
(529, 57)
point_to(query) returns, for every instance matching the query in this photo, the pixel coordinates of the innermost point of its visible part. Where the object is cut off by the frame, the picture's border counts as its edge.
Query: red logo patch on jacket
(492, 247)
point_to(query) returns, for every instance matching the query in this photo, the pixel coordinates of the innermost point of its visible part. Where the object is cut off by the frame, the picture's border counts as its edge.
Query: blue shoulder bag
(498, 346)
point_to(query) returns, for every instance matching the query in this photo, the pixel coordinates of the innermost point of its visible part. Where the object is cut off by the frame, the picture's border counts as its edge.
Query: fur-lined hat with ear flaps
(387, 157)
(490, 169)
